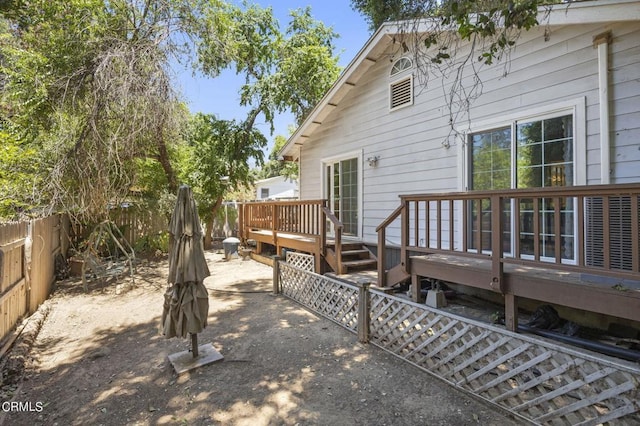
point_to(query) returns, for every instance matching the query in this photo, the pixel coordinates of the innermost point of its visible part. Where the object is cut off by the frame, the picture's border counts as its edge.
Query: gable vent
(401, 93)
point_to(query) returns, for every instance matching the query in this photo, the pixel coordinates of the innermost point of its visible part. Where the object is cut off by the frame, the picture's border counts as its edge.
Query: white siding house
(572, 91)
(277, 188)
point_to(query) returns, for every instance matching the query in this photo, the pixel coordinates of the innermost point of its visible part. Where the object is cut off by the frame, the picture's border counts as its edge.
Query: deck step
(359, 264)
(359, 252)
(354, 257)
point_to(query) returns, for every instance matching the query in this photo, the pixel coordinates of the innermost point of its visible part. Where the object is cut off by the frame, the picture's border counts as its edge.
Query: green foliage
(221, 151)
(494, 22)
(274, 167)
(150, 244)
(90, 94)
(18, 176)
(88, 111)
(276, 65)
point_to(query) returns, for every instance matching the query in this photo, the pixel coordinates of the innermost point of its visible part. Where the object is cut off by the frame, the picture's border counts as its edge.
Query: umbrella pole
(194, 344)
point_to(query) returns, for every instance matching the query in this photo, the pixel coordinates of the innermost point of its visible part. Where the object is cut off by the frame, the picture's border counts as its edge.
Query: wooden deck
(571, 289)
(308, 226)
(306, 243)
(571, 246)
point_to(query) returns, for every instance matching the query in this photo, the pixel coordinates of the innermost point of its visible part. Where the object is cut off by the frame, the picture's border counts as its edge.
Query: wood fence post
(364, 311)
(276, 274)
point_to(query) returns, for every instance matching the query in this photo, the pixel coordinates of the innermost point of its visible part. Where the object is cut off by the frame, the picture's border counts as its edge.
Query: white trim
(403, 70)
(603, 97)
(324, 162)
(575, 106)
(396, 82)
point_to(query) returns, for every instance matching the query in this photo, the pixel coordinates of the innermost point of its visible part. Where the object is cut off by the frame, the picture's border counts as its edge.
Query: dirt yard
(98, 358)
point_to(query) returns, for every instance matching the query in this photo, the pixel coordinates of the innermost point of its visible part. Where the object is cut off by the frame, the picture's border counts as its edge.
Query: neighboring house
(366, 142)
(277, 188)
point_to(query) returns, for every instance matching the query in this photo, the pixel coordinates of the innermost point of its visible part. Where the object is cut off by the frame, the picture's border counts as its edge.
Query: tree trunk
(163, 158)
(208, 234)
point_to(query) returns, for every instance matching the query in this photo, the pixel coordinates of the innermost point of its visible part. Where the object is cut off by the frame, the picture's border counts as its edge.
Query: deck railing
(305, 218)
(585, 233)
(581, 228)
(295, 217)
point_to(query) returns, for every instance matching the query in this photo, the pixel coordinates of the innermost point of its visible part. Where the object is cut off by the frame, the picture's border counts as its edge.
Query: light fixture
(373, 161)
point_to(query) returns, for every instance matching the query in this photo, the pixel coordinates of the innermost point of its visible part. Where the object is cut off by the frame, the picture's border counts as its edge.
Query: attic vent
(620, 237)
(401, 93)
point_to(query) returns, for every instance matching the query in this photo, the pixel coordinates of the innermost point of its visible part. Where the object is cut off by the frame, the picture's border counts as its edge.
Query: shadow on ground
(100, 359)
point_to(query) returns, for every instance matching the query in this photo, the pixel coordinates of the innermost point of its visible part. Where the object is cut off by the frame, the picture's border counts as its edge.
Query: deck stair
(354, 256)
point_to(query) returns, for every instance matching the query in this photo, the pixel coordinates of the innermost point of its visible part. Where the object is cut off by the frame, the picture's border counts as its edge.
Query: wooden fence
(27, 266)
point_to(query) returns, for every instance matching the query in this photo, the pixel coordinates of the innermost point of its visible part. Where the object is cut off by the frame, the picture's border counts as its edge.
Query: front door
(341, 189)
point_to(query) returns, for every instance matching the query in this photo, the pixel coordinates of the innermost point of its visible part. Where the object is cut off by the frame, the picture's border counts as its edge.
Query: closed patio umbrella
(186, 302)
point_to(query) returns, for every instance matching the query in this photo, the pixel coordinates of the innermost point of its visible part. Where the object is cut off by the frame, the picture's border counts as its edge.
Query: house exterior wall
(279, 188)
(543, 75)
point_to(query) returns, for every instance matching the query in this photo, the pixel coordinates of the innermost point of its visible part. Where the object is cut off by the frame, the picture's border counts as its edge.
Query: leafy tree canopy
(495, 21)
(277, 167)
(221, 151)
(87, 92)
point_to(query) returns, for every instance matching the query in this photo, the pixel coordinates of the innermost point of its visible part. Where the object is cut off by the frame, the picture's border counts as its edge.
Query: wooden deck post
(416, 288)
(276, 274)
(497, 267)
(404, 235)
(382, 258)
(364, 311)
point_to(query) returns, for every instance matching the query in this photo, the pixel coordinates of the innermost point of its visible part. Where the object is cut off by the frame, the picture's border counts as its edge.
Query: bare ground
(98, 358)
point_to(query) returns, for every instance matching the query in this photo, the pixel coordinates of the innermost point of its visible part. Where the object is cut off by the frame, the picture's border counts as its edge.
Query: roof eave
(571, 13)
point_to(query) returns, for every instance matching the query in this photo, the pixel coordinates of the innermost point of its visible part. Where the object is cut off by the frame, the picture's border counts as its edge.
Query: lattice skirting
(330, 298)
(301, 260)
(536, 379)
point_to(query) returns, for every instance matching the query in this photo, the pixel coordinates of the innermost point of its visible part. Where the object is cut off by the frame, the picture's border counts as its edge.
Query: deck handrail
(337, 226)
(452, 230)
(382, 242)
(301, 217)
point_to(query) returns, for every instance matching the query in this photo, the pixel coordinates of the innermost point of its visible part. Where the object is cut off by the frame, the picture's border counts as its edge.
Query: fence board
(13, 286)
(46, 244)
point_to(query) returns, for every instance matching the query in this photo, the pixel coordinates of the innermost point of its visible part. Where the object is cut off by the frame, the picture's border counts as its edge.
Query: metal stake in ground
(186, 301)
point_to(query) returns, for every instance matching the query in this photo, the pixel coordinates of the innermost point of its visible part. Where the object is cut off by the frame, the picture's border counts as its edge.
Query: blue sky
(219, 96)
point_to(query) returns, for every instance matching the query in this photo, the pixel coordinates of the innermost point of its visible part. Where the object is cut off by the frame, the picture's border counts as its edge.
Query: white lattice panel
(540, 381)
(535, 379)
(301, 260)
(331, 298)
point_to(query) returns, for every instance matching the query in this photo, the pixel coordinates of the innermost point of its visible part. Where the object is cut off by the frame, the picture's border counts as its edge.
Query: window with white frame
(531, 153)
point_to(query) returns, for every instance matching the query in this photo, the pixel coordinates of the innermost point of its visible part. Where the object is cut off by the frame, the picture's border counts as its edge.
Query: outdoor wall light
(373, 161)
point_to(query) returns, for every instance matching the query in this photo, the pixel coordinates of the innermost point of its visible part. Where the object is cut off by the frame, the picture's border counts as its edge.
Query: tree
(86, 86)
(287, 71)
(275, 167)
(221, 151)
(283, 71)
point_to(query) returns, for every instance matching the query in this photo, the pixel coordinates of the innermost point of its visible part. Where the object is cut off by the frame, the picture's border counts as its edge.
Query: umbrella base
(184, 361)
